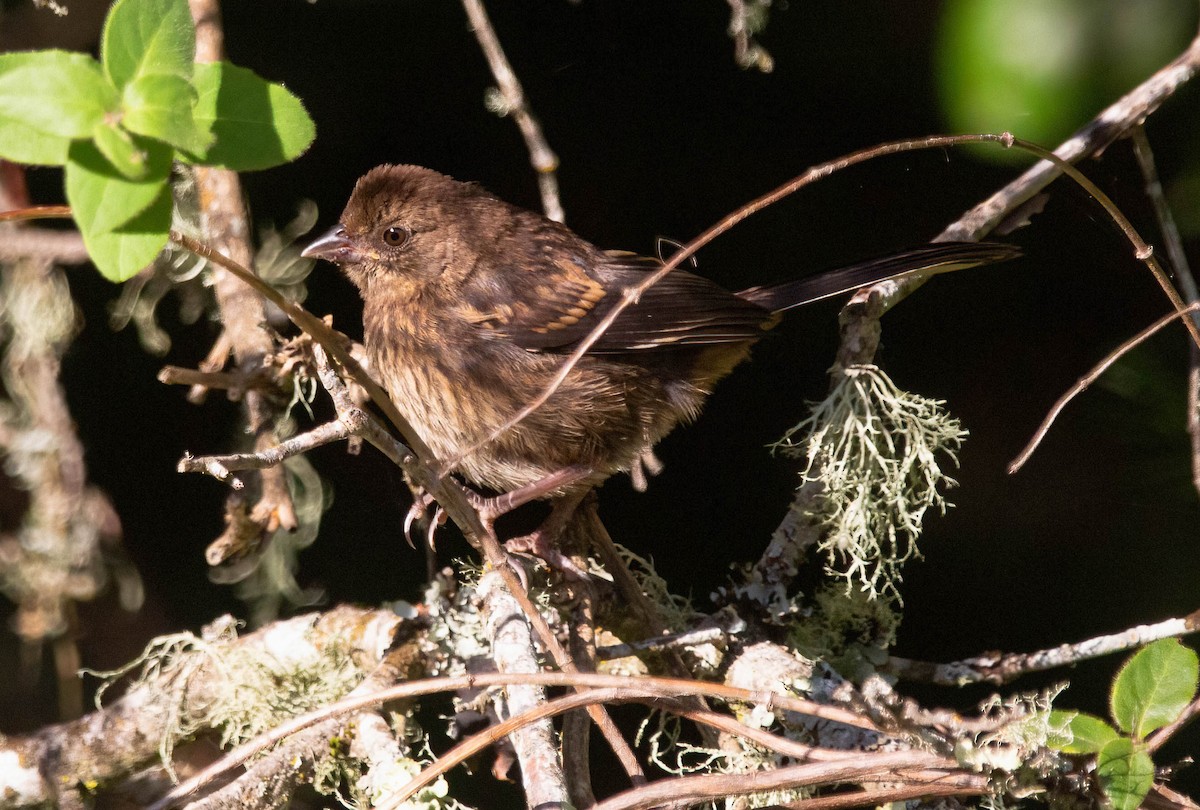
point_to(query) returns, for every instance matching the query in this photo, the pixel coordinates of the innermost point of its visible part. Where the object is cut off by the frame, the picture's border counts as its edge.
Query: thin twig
(319, 436)
(231, 380)
(687, 790)
(686, 638)
(1090, 378)
(1159, 737)
(541, 156)
(56, 247)
(1143, 251)
(859, 346)
(946, 785)
(647, 687)
(478, 742)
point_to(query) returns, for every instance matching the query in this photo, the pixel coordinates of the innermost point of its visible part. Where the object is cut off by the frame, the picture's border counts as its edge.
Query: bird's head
(410, 227)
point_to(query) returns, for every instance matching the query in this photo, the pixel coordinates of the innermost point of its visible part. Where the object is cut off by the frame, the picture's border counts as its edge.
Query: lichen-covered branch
(192, 683)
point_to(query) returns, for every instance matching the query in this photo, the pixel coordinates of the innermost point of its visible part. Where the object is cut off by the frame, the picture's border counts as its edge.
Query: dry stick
(960, 785)
(351, 422)
(1001, 668)
(632, 294)
(688, 790)
(1183, 272)
(667, 688)
(59, 247)
(541, 156)
(1162, 797)
(327, 433)
(1090, 378)
(421, 468)
(478, 742)
(233, 381)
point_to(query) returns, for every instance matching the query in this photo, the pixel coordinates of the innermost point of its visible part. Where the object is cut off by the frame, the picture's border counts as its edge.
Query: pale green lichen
(662, 731)
(249, 688)
(874, 449)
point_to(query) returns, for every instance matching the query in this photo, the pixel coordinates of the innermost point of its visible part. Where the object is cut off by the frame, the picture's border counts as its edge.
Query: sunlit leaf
(255, 124)
(1154, 687)
(1079, 732)
(160, 106)
(48, 98)
(143, 37)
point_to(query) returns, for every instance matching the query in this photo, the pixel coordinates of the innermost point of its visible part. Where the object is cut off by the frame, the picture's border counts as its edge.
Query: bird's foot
(543, 542)
(539, 544)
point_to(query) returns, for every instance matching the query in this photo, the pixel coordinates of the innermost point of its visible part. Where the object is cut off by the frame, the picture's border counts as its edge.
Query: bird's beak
(333, 246)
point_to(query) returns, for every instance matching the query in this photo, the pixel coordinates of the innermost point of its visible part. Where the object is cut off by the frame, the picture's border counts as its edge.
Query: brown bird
(471, 304)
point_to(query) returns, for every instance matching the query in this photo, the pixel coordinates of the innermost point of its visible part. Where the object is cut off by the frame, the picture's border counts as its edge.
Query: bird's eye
(395, 236)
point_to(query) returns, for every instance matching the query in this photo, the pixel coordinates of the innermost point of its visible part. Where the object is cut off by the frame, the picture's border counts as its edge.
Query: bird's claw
(418, 511)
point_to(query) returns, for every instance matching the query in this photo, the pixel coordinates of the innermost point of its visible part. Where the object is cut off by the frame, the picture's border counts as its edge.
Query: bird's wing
(682, 309)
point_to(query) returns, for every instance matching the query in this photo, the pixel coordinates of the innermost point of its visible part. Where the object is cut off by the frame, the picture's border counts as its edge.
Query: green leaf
(101, 198)
(22, 143)
(256, 124)
(121, 254)
(1154, 687)
(159, 106)
(143, 37)
(48, 98)
(1126, 773)
(119, 148)
(1079, 732)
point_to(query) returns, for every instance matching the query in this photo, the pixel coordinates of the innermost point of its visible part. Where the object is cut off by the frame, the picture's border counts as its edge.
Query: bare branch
(688, 790)
(1159, 737)
(127, 735)
(1000, 668)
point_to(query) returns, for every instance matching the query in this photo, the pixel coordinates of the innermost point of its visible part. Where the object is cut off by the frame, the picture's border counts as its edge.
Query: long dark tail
(936, 257)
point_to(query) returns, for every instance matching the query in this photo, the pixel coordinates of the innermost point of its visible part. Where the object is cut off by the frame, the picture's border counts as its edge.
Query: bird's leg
(491, 508)
(543, 541)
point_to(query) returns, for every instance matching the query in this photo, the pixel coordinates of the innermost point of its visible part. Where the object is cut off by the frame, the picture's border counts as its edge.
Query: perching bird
(471, 305)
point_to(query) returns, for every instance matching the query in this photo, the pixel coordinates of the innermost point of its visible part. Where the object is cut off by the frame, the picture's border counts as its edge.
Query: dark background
(660, 134)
